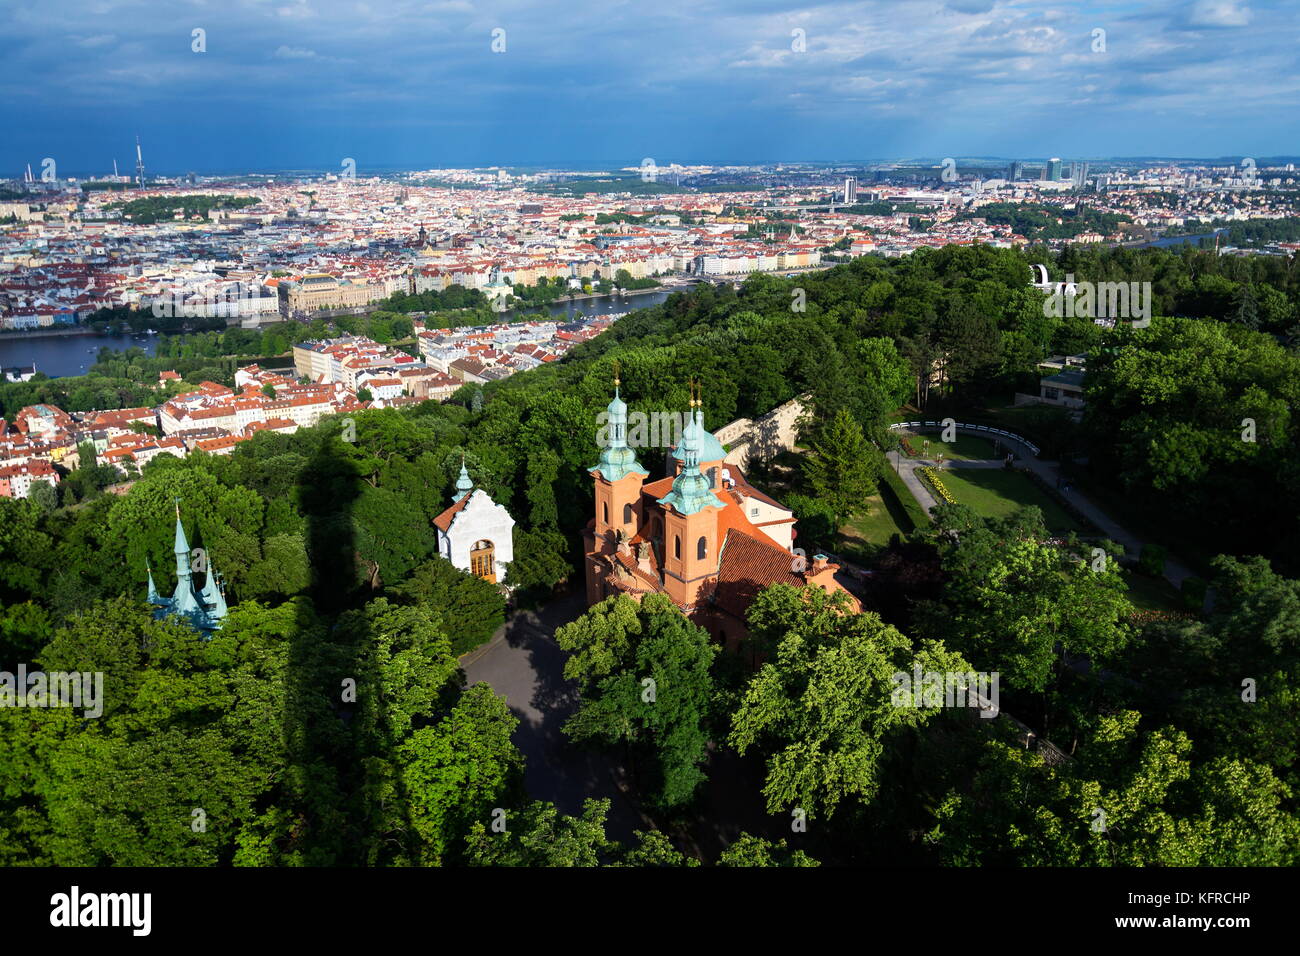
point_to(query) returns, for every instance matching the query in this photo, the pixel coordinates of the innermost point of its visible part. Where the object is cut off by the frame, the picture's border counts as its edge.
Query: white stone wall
(773, 433)
(480, 519)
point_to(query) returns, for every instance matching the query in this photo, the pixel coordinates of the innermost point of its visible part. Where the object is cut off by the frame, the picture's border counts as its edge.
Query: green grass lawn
(965, 448)
(996, 492)
(865, 534)
(1153, 594)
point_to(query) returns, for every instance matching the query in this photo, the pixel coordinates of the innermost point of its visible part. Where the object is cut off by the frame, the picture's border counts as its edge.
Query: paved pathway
(1050, 472)
(523, 663)
(919, 489)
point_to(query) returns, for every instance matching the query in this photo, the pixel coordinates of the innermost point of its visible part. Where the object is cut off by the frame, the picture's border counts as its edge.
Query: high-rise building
(1052, 171)
(850, 191)
(1017, 171)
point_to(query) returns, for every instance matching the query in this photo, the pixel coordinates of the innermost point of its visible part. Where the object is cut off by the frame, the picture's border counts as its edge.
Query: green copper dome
(710, 448)
(617, 460)
(690, 488)
(464, 485)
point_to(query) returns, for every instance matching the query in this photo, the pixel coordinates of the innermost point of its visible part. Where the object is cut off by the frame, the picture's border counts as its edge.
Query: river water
(1180, 240)
(597, 305)
(73, 354)
(67, 354)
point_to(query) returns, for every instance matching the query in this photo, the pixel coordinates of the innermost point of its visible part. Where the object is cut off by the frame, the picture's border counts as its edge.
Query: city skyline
(304, 84)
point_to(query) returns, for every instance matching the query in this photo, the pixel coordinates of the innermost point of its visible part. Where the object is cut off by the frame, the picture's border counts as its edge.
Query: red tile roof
(747, 565)
(444, 520)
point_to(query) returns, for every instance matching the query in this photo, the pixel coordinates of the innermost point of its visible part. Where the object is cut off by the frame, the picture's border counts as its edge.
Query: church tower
(185, 600)
(464, 484)
(203, 608)
(619, 477)
(690, 517)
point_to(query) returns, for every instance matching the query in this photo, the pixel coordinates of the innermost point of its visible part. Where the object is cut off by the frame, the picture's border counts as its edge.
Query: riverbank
(10, 335)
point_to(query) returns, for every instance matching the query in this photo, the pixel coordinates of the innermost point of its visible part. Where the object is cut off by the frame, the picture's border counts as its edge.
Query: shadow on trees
(355, 810)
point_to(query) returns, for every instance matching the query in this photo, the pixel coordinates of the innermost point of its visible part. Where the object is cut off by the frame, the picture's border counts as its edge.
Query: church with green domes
(201, 607)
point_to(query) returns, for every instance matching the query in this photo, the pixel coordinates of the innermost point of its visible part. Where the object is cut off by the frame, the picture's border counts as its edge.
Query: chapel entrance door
(483, 561)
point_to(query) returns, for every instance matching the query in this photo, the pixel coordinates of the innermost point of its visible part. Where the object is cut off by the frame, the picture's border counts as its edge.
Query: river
(1166, 241)
(67, 354)
(73, 354)
(596, 305)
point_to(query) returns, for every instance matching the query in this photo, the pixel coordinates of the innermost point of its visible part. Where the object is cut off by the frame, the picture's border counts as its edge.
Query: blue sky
(304, 83)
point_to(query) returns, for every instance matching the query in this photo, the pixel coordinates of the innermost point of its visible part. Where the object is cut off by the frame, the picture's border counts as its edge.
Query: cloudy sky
(304, 83)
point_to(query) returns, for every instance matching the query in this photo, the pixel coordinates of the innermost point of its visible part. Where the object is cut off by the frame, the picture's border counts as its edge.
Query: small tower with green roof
(690, 509)
(202, 608)
(464, 484)
(618, 474)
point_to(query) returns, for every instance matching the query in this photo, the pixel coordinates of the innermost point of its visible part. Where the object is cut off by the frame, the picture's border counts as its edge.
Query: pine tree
(842, 468)
(1245, 310)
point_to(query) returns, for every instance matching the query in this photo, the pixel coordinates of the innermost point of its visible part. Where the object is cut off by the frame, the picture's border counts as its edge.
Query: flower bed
(932, 476)
(1139, 618)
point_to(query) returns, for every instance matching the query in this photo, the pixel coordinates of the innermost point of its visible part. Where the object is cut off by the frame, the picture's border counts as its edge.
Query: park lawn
(996, 492)
(865, 534)
(965, 448)
(1153, 594)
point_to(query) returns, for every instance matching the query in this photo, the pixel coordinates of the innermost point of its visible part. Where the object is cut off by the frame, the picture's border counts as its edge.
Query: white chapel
(476, 534)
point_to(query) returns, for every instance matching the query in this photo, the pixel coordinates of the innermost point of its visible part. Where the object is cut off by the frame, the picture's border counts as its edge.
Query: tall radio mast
(139, 162)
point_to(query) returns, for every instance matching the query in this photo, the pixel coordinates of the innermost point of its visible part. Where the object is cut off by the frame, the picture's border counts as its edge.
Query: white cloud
(1219, 13)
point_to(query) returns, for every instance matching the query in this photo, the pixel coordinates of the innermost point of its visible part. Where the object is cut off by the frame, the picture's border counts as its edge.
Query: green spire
(464, 485)
(213, 594)
(690, 492)
(181, 549)
(154, 597)
(202, 609)
(617, 460)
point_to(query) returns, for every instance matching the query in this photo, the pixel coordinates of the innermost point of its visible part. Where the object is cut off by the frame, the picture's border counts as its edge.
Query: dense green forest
(151, 209)
(327, 550)
(1036, 222)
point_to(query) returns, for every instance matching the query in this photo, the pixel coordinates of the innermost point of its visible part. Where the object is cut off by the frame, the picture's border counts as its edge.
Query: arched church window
(604, 511)
(482, 561)
(677, 546)
(702, 548)
(627, 514)
(713, 478)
